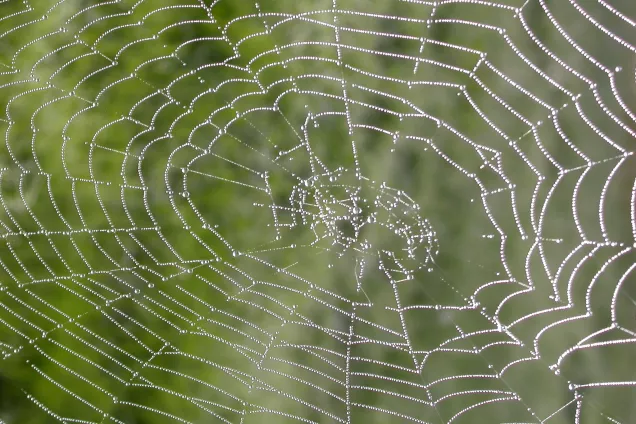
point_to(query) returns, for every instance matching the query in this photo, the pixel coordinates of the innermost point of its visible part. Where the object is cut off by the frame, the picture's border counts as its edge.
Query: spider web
(293, 211)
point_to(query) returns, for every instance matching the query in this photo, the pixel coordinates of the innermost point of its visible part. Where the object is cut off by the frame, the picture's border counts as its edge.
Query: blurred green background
(154, 270)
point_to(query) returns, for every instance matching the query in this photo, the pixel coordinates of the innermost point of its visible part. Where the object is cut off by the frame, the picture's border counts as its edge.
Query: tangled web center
(353, 214)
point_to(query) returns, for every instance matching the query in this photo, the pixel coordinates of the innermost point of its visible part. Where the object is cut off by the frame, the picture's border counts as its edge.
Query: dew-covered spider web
(320, 211)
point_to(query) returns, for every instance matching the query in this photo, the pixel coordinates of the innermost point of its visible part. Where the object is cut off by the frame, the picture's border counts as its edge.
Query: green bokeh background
(112, 247)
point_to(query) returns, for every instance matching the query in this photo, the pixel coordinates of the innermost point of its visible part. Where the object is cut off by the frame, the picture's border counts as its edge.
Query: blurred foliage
(95, 186)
